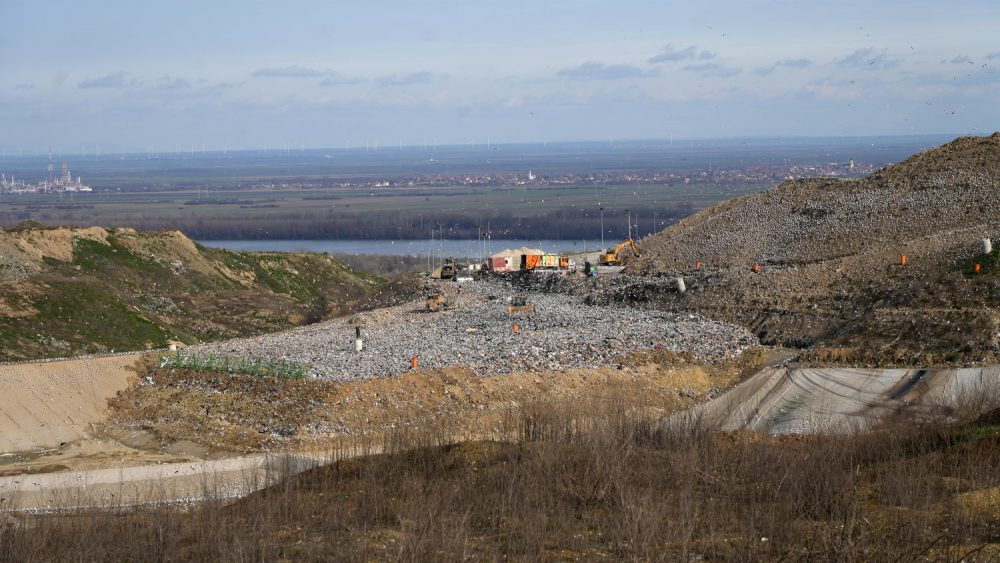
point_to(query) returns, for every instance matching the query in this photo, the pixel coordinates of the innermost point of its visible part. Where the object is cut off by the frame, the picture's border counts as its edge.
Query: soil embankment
(70, 291)
(51, 404)
(840, 400)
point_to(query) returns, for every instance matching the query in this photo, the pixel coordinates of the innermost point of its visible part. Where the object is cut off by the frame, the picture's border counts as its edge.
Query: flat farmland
(564, 211)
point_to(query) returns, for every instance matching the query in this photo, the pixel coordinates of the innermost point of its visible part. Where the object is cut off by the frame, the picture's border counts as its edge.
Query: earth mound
(884, 267)
(67, 291)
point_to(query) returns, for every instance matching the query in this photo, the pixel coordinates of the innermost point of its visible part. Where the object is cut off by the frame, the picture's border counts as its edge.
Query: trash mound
(803, 221)
(477, 333)
(838, 401)
(885, 262)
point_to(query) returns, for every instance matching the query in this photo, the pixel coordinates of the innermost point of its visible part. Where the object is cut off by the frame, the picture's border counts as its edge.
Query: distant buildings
(63, 184)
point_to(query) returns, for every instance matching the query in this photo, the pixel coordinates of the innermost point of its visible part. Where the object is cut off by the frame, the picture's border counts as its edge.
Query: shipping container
(499, 264)
(530, 261)
(550, 261)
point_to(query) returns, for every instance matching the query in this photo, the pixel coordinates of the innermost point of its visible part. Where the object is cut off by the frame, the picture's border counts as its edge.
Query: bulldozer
(519, 306)
(436, 301)
(449, 269)
(613, 255)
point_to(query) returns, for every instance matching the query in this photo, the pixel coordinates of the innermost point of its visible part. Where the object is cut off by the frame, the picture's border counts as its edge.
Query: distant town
(755, 174)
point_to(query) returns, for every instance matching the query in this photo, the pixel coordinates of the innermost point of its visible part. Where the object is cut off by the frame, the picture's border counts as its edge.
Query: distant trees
(254, 223)
(566, 223)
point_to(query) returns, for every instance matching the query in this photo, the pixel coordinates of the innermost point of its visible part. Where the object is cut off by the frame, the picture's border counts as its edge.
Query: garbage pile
(478, 333)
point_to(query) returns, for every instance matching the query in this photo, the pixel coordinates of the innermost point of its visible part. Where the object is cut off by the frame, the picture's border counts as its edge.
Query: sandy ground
(50, 404)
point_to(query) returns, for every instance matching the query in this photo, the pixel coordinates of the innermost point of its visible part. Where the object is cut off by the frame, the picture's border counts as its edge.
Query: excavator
(613, 256)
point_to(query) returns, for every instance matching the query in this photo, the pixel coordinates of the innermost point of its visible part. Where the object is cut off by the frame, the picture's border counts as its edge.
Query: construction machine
(519, 306)
(448, 269)
(436, 301)
(613, 255)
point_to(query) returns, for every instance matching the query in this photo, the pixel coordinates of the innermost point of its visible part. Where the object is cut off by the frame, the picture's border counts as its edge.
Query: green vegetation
(79, 316)
(96, 256)
(140, 290)
(228, 364)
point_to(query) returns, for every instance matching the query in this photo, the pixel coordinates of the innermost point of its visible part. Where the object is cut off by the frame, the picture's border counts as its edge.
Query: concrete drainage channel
(841, 400)
(167, 483)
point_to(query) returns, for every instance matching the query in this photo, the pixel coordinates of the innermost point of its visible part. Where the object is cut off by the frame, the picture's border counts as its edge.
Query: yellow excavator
(613, 255)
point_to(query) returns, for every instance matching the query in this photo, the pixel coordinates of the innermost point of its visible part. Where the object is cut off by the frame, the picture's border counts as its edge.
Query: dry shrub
(588, 480)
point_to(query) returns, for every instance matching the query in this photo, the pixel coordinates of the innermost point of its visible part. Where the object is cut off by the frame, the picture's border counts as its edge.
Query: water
(460, 248)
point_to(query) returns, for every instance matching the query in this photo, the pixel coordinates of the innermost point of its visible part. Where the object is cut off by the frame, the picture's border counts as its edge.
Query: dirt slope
(53, 403)
(842, 401)
(66, 291)
(830, 256)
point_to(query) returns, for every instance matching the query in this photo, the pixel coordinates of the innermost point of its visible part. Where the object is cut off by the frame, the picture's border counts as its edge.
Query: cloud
(869, 58)
(120, 79)
(670, 54)
(337, 79)
(993, 56)
(293, 71)
(784, 63)
(713, 69)
(405, 78)
(24, 86)
(600, 71)
(960, 60)
(172, 83)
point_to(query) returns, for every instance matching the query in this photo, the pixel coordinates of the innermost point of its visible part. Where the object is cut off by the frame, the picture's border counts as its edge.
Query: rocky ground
(478, 334)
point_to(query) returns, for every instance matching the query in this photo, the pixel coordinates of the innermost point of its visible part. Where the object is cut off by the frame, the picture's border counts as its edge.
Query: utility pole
(602, 229)
(479, 235)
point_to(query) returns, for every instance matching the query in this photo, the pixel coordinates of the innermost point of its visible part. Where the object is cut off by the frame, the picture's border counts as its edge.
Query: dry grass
(583, 480)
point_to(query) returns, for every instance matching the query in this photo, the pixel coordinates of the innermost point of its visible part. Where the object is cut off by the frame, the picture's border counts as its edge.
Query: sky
(89, 75)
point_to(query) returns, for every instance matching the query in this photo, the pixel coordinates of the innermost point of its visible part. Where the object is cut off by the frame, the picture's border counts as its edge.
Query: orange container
(697, 265)
(902, 260)
(978, 268)
(531, 261)
(755, 267)
(517, 329)
(414, 364)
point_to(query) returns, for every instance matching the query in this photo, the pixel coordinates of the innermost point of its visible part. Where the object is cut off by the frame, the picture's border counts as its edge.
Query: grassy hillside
(66, 291)
(830, 253)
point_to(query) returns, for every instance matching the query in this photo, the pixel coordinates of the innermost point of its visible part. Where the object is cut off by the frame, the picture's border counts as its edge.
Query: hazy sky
(177, 73)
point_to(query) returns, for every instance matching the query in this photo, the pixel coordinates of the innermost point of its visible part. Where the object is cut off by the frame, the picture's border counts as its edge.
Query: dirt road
(159, 483)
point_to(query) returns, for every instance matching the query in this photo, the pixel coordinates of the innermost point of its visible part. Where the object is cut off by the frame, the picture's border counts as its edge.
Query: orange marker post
(414, 363)
(697, 265)
(517, 329)
(902, 260)
(978, 268)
